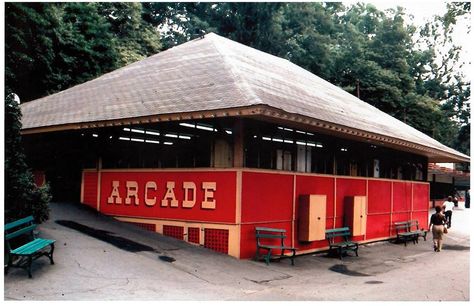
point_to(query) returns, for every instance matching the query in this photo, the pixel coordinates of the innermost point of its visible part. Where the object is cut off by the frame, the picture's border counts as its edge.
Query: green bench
(414, 227)
(22, 245)
(345, 245)
(409, 231)
(266, 237)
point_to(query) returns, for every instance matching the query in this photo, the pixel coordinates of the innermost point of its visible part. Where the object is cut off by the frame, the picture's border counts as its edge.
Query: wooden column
(238, 132)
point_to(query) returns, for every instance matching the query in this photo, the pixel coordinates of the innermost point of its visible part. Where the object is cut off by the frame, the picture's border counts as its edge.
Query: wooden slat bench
(404, 232)
(21, 243)
(341, 246)
(265, 236)
(414, 227)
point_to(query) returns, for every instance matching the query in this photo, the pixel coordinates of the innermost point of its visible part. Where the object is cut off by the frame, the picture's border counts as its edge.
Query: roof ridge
(243, 87)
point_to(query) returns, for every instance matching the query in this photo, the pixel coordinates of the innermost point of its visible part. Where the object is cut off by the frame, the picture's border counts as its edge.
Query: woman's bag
(445, 230)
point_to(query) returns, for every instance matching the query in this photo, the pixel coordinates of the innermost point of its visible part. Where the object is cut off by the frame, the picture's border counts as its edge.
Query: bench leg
(28, 268)
(293, 258)
(8, 264)
(340, 253)
(51, 254)
(267, 257)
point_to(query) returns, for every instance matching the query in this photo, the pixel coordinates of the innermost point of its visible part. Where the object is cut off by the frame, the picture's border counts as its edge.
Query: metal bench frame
(421, 232)
(30, 250)
(272, 234)
(405, 231)
(342, 246)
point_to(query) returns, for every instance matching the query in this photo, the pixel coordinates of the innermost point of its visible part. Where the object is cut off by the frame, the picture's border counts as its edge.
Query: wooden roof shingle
(215, 73)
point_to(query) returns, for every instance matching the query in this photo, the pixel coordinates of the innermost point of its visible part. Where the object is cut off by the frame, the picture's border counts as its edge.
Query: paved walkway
(98, 258)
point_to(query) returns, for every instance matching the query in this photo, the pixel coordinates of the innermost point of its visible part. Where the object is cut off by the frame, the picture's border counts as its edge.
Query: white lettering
(115, 194)
(209, 202)
(132, 191)
(150, 201)
(189, 186)
(169, 199)
(169, 195)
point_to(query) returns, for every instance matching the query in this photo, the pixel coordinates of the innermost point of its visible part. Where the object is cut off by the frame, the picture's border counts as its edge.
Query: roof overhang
(270, 114)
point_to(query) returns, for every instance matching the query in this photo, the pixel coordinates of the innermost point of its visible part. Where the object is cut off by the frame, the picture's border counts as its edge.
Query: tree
(439, 74)
(134, 38)
(52, 46)
(28, 49)
(22, 197)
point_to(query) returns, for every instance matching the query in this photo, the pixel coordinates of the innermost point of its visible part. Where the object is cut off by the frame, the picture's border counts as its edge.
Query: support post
(238, 132)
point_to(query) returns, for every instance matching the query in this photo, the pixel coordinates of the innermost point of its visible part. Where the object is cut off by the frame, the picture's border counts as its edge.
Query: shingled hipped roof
(213, 77)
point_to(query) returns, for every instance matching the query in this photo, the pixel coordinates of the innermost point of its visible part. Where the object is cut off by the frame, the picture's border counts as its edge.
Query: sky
(421, 9)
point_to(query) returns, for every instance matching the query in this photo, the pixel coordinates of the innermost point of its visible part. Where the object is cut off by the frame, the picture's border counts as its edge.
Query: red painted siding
(314, 185)
(402, 196)
(90, 188)
(267, 200)
(379, 198)
(379, 205)
(345, 188)
(378, 226)
(224, 195)
(266, 197)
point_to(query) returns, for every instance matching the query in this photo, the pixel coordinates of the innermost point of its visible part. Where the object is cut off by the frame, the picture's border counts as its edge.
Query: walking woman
(437, 222)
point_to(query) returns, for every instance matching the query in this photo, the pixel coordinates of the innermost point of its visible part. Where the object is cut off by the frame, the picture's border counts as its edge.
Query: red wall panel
(399, 217)
(344, 188)
(224, 195)
(402, 196)
(421, 196)
(378, 226)
(267, 200)
(379, 198)
(306, 184)
(90, 188)
(266, 197)
(316, 185)
(423, 218)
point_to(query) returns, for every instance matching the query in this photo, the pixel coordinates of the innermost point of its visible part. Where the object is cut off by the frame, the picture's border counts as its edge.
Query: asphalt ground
(99, 259)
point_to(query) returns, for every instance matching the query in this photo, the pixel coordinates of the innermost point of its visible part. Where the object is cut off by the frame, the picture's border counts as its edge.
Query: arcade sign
(152, 193)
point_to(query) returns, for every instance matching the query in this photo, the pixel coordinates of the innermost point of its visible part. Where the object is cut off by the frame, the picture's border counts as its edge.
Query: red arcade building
(207, 140)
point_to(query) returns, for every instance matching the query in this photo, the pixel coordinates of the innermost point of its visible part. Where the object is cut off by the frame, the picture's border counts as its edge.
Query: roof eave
(268, 113)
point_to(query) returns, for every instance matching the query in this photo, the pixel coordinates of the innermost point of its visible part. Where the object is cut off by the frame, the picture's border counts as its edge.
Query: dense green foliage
(411, 73)
(53, 46)
(22, 197)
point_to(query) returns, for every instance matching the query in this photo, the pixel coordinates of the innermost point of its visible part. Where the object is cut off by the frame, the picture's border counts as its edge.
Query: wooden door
(355, 214)
(312, 217)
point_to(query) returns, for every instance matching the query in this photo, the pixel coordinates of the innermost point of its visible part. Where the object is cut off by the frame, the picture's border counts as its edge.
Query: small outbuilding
(210, 139)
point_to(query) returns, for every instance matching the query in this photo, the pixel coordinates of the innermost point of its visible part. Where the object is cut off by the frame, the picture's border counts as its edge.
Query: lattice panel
(193, 234)
(217, 240)
(174, 231)
(145, 226)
